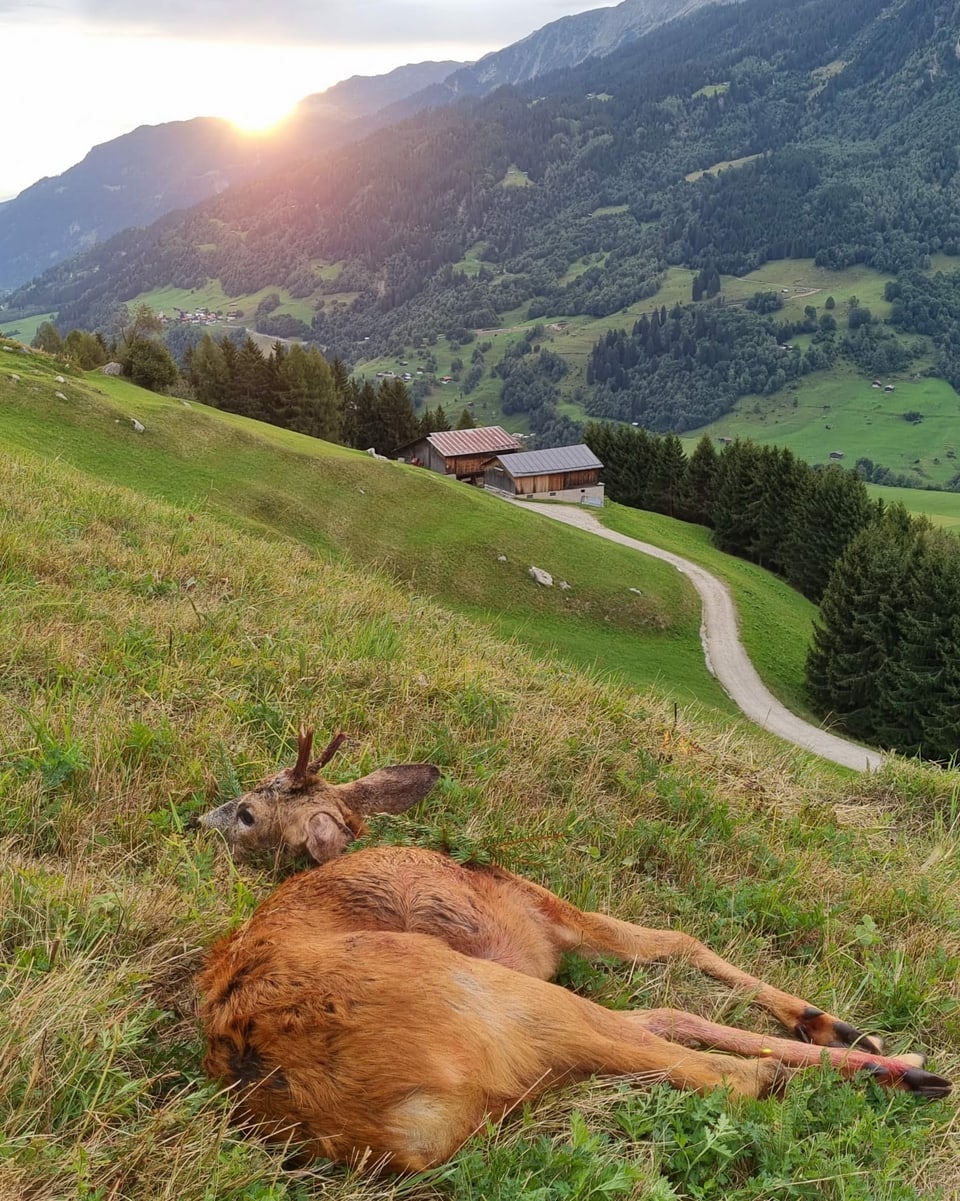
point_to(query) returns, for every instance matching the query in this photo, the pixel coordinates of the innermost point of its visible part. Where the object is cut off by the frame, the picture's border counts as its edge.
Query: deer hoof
(818, 1027)
(926, 1084)
(913, 1080)
(846, 1035)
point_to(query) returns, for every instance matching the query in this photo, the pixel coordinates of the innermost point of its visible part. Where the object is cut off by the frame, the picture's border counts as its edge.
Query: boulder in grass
(112, 369)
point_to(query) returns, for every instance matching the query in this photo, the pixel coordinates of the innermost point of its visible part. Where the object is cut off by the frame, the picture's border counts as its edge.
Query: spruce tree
(780, 477)
(857, 635)
(668, 467)
(699, 481)
(396, 422)
(208, 372)
(737, 497)
(920, 713)
(832, 507)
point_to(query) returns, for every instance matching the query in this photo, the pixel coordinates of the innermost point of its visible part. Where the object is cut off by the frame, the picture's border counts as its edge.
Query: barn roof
(558, 458)
(488, 439)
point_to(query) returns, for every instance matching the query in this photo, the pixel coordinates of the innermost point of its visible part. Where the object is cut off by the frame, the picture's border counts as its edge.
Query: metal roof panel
(557, 458)
(490, 439)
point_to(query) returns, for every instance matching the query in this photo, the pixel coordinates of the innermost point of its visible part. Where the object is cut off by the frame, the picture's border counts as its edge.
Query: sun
(259, 116)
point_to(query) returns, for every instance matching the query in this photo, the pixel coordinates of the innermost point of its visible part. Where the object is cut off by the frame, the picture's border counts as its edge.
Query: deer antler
(304, 743)
(333, 746)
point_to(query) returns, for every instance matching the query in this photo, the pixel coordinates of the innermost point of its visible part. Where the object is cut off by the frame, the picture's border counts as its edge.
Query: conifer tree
(699, 481)
(832, 507)
(736, 497)
(780, 477)
(396, 422)
(920, 703)
(308, 401)
(208, 372)
(858, 629)
(668, 467)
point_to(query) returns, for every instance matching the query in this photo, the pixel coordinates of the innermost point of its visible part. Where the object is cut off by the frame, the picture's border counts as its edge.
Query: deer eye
(245, 817)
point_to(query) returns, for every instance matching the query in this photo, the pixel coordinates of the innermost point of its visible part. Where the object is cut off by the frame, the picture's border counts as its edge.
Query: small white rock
(137, 426)
(60, 380)
(542, 577)
(59, 396)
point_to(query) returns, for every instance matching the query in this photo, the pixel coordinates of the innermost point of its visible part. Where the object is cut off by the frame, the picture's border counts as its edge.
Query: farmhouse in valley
(462, 453)
(561, 473)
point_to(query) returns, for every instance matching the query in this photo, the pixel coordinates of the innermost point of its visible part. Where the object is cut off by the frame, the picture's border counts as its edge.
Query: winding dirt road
(724, 651)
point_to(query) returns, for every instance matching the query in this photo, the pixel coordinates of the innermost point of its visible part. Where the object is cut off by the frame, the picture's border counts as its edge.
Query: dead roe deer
(381, 1007)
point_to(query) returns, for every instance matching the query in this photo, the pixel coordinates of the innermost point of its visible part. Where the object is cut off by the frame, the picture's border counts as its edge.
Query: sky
(75, 73)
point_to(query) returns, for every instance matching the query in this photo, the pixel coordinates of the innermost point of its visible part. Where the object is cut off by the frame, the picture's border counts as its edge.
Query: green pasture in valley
(841, 411)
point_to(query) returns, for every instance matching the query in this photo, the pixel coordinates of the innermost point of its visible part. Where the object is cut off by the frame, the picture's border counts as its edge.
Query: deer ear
(390, 789)
(327, 837)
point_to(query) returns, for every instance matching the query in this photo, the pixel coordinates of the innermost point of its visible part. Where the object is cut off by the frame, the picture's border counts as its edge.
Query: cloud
(321, 22)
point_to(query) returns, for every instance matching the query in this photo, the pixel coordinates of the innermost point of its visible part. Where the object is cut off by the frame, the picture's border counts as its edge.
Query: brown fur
(381, 1006)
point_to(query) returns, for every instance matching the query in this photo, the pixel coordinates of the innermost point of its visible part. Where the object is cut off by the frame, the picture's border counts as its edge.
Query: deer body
(382, 1005)
(393, 1045)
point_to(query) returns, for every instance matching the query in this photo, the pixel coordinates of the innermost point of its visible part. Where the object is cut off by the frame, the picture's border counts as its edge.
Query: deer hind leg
(598, 934)
(903, 1072)
(612, 1042)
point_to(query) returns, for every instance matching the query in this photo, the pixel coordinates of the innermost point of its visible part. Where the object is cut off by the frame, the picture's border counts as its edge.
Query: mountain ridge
(58, 217)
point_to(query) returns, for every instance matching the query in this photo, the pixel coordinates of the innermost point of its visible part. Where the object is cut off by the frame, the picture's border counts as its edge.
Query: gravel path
(724, 651)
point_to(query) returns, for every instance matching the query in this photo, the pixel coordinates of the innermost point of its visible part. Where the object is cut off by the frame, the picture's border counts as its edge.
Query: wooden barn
(562, 473)
(462, 453)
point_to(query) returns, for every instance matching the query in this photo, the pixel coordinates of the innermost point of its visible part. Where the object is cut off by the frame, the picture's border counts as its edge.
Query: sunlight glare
(255, 118)
(160, 79)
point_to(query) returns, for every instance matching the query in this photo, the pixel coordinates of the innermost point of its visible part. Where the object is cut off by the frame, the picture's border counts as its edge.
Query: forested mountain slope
(134, 179)
(851, 112)
(137, 178)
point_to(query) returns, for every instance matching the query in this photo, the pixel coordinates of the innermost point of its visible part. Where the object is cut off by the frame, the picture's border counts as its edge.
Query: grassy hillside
(943, 508)
(827, 411)
(152, 661)
(840, 410)
(441, 538)
(622, 614)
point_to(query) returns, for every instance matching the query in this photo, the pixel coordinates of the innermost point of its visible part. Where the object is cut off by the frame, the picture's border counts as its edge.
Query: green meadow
(431, 533)
(840, 411)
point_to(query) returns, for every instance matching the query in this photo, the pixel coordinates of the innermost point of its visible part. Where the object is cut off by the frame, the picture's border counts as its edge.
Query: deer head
(297, 812)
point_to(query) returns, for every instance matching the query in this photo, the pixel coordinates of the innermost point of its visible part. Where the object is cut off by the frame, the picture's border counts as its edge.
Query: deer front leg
(596, 933)
(905, 1072)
